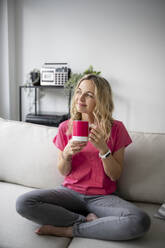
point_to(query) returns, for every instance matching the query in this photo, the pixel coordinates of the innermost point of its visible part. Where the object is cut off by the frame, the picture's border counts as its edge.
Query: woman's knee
(142, 223)
(23, 204)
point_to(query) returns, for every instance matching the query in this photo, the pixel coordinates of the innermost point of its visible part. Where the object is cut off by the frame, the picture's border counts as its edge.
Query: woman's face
(85, 97)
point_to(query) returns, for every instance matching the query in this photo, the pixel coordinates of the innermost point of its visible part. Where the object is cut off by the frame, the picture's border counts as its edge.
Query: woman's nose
(82, 97)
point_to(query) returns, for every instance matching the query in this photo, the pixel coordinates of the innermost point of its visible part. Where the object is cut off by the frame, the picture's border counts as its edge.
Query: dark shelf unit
(36, 114)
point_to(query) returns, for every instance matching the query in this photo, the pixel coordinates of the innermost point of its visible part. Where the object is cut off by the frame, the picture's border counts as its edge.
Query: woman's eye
(90, 95)
(78, 92)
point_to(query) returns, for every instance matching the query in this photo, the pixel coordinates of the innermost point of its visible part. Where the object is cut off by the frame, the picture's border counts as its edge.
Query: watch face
(107, 154)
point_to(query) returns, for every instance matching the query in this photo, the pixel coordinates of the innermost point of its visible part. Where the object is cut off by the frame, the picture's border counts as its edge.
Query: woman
(86, 205)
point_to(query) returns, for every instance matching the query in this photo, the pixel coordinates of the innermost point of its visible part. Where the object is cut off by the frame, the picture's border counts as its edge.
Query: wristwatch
(105, 155)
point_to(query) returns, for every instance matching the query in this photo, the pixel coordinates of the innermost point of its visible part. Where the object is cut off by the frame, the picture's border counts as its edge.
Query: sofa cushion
(161, 212)
(144, 168)
(28, 155)
(17, 231)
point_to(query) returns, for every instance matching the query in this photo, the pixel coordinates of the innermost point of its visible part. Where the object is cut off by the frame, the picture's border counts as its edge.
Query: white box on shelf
(54, 74)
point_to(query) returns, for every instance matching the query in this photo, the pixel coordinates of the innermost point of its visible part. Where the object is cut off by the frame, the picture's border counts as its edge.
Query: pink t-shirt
(87, 175)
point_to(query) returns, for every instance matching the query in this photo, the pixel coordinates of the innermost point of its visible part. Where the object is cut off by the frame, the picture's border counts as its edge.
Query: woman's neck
(87, 117)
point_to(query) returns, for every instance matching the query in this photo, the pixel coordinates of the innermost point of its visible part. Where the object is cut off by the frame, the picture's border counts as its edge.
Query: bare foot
(91, 217)
(57, 231)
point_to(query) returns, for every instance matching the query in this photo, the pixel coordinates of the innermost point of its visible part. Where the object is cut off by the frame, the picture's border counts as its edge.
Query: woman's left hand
(96, 137)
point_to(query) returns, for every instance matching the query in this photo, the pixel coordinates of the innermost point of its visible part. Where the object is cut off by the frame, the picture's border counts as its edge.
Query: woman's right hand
(73, 147)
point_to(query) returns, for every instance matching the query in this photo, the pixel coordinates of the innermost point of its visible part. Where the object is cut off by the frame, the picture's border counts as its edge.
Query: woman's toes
(46, 229)
(37, 231)
(57, 231)
(91, 217)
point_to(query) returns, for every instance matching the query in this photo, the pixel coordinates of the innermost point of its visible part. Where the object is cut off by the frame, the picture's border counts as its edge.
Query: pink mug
(80, 130)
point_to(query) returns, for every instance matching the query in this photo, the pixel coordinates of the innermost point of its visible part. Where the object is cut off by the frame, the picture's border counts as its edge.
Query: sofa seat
(14, 227)
(19, 228)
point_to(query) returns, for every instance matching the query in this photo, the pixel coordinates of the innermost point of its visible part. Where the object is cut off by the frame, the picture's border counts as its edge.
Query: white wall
(8, 89)
(4, 78)
(122, 38)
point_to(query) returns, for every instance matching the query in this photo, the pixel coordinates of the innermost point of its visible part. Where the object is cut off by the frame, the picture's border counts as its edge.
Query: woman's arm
(64, 163)
(113, 164)
(65, 156)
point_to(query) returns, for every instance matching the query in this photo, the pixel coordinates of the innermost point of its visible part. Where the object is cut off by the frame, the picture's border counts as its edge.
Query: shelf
(36, 115)
(41, 86)
(46, 119)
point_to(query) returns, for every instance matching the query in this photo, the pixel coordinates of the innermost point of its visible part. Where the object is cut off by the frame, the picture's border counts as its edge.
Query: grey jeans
(118, 219)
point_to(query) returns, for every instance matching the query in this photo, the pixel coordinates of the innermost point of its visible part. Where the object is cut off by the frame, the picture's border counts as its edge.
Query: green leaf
(75, 77)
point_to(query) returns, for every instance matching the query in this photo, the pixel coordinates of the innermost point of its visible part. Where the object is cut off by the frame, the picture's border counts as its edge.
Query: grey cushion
(161, 212)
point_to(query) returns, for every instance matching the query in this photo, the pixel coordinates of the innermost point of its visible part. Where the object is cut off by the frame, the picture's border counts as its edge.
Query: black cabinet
(43, 119)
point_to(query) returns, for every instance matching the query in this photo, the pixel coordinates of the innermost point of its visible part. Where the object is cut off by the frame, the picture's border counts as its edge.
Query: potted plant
(75, 77)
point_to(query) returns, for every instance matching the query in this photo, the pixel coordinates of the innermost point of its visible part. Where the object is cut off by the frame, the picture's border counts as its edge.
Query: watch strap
(105, 155)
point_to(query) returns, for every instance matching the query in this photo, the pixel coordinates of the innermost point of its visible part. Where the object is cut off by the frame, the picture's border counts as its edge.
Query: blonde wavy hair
(104, 104)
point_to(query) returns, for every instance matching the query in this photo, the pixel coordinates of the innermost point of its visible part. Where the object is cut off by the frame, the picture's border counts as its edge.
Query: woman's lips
(82, 105)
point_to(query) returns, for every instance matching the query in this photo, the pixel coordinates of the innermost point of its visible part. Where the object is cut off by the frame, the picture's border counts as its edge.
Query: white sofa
(28, 159)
